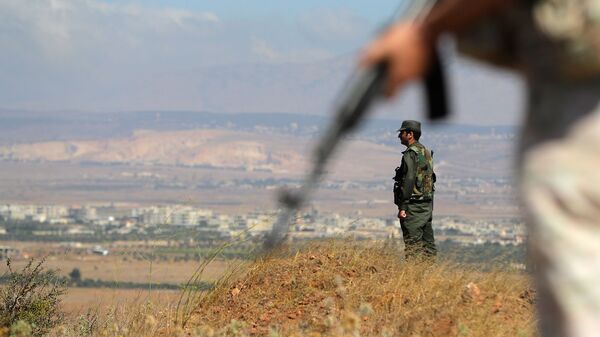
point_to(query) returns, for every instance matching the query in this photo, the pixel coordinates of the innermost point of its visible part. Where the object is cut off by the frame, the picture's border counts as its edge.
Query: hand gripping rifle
(363, 88)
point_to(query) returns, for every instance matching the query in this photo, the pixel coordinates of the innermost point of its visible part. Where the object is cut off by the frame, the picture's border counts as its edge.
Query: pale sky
(199, 55)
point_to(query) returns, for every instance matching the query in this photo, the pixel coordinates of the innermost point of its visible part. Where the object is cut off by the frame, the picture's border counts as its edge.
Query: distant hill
(280, 146)
(212, 148)
(18, 126)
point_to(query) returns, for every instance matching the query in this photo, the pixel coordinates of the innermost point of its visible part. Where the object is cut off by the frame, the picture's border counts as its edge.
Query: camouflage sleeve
(408, 183)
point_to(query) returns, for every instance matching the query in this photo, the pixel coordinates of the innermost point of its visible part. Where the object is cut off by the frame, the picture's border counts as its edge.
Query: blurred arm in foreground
(406, 46)
(555, 44)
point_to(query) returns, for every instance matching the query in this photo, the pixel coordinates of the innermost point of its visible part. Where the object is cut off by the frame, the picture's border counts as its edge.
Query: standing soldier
(413, 192)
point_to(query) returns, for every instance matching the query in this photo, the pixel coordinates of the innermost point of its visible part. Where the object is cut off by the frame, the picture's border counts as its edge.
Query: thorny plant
(32, 297)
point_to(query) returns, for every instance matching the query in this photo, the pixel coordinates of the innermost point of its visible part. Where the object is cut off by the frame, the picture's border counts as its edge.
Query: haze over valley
(235, 162)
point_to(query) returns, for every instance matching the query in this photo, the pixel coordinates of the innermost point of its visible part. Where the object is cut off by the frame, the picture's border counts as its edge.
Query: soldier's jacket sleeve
(409, 176)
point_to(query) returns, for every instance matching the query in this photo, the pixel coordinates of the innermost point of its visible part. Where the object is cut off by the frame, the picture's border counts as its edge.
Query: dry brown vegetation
(351, 289)
(138, 317)
(335, 288)
(78, 301)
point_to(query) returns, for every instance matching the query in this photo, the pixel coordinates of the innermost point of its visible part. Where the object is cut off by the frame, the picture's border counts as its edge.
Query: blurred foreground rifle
(364, 87)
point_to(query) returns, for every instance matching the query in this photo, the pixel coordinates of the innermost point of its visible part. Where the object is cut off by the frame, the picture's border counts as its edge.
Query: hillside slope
(280, 154)
(351, 289)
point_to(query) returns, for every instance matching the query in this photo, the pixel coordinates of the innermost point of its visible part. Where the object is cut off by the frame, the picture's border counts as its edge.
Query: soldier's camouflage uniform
(556, 45)
(413, 193)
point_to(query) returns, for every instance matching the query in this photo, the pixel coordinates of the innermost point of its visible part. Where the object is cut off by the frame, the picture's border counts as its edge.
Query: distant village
(72, 222)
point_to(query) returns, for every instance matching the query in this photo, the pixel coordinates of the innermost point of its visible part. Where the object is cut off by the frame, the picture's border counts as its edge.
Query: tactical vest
(425, 178)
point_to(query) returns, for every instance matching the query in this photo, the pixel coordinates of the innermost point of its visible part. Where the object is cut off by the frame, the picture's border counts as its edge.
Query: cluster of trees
(28, 230)
(487, 253)
(75, 279)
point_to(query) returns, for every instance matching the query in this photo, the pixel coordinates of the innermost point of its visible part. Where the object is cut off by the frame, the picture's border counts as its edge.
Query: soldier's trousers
(417, 230)
(560, 181)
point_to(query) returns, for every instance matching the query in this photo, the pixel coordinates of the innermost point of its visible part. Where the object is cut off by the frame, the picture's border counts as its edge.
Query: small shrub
(75, 276)
(31, 297)
(20, 329)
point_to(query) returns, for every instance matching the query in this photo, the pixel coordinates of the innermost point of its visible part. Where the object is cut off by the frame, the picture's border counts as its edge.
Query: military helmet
(410, 125)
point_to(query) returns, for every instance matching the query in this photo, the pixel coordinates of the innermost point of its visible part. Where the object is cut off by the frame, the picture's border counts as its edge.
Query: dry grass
(135, 317)
(78, 301)
(351, 289)
(335, 288)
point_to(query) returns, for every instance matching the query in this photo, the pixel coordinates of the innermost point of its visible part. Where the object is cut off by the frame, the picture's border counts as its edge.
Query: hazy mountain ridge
(279, 151)
(34, 126)
(215, 148)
